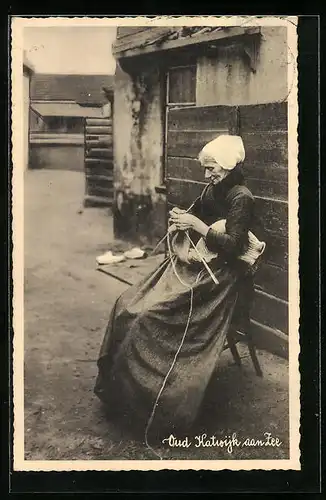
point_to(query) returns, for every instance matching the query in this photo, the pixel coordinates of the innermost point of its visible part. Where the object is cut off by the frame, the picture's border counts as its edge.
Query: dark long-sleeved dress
(148, 321)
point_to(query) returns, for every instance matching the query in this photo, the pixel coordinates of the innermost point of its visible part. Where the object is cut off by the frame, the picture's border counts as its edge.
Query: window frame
(169, 104)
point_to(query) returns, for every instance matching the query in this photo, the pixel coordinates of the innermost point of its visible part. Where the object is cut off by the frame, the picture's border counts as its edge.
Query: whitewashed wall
(225, 78)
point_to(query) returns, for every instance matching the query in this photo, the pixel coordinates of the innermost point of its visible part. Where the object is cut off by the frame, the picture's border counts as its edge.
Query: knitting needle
(203, 261)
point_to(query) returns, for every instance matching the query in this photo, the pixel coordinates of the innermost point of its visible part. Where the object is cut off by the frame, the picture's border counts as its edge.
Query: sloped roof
(84, 89)
(71, 109)
(143, 39)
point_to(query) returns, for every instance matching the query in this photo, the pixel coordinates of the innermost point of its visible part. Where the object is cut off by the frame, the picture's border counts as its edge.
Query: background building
(59, 106)
(64, 100)
(27, 74)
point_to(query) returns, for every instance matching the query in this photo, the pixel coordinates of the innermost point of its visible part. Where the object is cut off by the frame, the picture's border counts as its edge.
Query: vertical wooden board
(99, 169)
(189, 143)
(100, 180)
(266, 147)
(203, 118)
(272, 215)
(95, 152)
(272, 116)
(99, 129)
(273, 280)
(184, 168)
(277, 252)
(270, 311)
(266, 188)
(270, 340)
(95, 162)
(263, 158)
(267, 171)
(98, 159)
(97, 189)
(100, 142)
(183, 193)
(98, 122)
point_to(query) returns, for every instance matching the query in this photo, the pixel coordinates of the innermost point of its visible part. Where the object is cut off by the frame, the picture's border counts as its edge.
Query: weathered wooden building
(60, 104)
(176, 89)
(63, 101)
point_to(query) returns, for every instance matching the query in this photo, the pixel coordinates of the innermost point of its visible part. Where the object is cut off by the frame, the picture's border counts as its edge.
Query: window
(75, 125)
(182, 85)
(55, 124)
(65, 124)
(180, 91)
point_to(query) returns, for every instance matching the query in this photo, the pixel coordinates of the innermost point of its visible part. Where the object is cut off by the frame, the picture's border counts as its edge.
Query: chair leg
(253, 355)
(234, 351)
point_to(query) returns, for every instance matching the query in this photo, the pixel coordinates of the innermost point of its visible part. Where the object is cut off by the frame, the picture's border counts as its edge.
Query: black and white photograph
(156, 242)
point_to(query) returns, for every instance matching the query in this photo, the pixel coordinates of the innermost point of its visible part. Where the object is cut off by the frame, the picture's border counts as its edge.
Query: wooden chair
(240, 329)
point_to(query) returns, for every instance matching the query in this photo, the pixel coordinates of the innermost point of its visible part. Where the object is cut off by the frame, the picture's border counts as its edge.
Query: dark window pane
(182, 85)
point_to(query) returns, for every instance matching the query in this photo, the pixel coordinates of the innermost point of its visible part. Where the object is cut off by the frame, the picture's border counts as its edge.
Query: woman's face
(214, 172)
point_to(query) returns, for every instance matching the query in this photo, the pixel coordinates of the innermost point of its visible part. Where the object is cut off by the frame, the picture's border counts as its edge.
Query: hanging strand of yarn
(173, 260)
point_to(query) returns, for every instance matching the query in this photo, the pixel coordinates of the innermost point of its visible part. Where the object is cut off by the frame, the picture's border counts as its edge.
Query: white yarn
(187, 285)
(190, 286)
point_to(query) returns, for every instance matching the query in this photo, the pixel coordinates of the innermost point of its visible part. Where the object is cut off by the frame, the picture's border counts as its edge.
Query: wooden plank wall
(188, 130)
(264, 132)
(98, 162)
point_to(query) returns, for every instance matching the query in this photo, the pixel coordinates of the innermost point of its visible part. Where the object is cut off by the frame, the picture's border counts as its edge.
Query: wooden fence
(98, 162)
(264, 132)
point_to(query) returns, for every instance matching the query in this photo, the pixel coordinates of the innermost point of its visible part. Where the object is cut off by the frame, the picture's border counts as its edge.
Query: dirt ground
(67, 304)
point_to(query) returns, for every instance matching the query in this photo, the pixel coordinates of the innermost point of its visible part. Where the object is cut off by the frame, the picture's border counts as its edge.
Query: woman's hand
(184, 221)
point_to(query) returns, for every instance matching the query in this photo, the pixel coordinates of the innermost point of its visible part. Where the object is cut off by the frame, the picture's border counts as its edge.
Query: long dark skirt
(144, 333)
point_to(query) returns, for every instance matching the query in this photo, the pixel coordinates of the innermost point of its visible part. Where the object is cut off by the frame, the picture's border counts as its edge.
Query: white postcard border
(20, 464)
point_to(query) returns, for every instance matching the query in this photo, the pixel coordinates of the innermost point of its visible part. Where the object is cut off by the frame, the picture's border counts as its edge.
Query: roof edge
(143, 43)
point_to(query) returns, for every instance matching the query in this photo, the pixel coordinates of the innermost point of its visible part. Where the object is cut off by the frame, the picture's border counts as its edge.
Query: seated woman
(166, 333)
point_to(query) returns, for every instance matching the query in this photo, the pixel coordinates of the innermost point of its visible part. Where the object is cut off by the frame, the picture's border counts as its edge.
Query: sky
(73, 50)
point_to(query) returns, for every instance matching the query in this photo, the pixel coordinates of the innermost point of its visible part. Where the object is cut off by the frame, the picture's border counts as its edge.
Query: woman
(166, 333)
